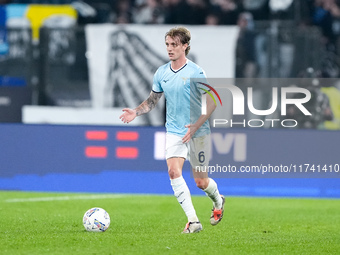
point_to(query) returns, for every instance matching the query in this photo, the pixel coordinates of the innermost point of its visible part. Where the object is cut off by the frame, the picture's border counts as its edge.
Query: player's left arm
(192, 128)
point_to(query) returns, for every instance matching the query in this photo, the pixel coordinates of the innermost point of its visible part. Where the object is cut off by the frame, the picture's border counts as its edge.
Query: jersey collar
(176, 71)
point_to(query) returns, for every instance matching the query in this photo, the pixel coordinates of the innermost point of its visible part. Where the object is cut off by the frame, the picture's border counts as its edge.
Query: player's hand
(128, 115)
(191, 131)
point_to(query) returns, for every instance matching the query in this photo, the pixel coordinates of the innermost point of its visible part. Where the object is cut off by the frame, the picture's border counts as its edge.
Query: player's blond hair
(183, 34)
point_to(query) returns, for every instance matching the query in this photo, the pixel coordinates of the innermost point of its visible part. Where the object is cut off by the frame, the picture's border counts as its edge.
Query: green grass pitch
(51, 223)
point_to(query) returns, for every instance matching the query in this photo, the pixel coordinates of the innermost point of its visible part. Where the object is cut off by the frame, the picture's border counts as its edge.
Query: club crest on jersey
(184, 80)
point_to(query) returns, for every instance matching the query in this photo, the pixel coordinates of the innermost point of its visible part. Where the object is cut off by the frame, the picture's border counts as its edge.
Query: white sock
(214, 194)
(182, 193)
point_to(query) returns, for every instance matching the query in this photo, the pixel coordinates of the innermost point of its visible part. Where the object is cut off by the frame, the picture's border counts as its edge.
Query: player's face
(175, 48)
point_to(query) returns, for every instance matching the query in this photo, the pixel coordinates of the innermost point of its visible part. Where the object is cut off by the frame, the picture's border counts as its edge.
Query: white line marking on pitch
(61, 198)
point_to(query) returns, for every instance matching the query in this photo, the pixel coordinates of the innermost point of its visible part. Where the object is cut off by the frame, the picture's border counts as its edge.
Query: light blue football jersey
(183, 98)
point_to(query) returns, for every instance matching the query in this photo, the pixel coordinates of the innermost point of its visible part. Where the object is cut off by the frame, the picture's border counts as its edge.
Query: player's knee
(202, 183)
(174, 173)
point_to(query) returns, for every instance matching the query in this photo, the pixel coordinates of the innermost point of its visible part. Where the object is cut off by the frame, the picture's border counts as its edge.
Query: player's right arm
(145, 107)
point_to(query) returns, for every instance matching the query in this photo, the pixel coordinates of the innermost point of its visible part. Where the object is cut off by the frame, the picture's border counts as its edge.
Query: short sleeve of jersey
(156, 86)
(201, 81)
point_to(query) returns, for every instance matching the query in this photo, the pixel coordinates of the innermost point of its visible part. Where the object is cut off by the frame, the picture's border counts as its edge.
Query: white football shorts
(197, 151)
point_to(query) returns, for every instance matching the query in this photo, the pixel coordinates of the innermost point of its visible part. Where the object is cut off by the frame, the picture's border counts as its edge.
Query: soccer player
(173, 80)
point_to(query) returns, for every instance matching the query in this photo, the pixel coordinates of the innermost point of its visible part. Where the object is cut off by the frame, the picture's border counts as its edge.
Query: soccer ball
(96, 220)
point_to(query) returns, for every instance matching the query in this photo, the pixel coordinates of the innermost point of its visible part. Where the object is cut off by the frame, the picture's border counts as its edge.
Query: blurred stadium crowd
(248, 14)
(272, 35)
(323, 13)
